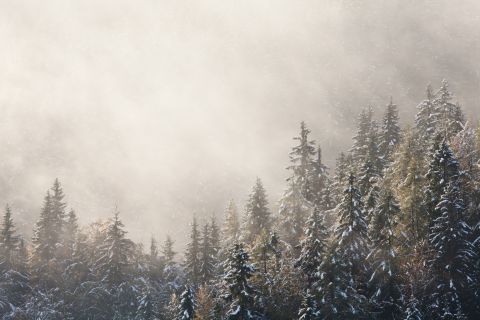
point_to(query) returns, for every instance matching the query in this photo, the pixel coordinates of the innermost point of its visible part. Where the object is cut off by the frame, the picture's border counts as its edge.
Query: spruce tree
(231, 226)
(351, 235)
(257, 214)
(371, 169)
(453, 256)
(425, 118)
(192, 255)
(443, 169)
(385, 281)
(301, 158)
(240, 295)
(71, 229)
(309, 310)
(320, 183)
(9, 241)
(115, 254)
(294, 209)
(390, 133)
(187, 305)
(167, 251)
(313, 247)
(207, 255)
(449, 117)
(361, 139)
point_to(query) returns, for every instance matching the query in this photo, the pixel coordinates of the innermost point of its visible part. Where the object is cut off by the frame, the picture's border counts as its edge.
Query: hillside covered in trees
(392, 232)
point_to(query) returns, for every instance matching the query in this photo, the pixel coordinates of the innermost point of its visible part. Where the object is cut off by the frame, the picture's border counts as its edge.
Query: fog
(170, 108)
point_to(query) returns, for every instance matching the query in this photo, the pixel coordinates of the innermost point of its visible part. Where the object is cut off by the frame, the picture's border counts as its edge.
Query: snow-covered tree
(231, 225)
(115, 254)
(390, 133)
(257, 213)
(186, 309)
(9, 241)
(385, 282)
(425, 118)
(240, 295)
(320, 183)
(361, 139)
(192, 255)
(313, 247)
(309, 310)
(452, 257)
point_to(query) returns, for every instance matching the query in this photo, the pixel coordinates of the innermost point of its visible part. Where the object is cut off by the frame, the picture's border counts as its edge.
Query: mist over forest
(239, 160)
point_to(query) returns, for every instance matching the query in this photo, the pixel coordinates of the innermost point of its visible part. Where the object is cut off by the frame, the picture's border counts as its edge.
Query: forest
(392, 232)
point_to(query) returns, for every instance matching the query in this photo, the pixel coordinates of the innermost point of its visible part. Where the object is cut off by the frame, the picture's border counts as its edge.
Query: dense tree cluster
(393, 233)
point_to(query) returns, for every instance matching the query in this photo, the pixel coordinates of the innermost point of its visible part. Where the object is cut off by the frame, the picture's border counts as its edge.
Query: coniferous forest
(391, 232)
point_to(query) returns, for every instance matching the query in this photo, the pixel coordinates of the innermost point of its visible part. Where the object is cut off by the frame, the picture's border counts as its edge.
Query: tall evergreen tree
(453, 256)
(449, 117)
(257, 214)
(231, 226)
(361, 139)
(301, 158)
(313, 247)
(187, 305)
(294, 209)
(309, 310)
(351, 234)
(390, 133)
(425, 118)
(385, 283)
(320, 183)
(9, 241)
(240, 295)
(192, 255)
(115, 254)
(207, 255)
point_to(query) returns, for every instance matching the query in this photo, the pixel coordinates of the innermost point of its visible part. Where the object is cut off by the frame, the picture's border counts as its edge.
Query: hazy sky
(172, 107)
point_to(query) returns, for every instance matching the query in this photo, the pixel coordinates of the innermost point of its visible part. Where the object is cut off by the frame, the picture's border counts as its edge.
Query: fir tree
(371, 169)
(71, 229)
(257, 214)
(448, 116)
(340, 178)
(167, 251)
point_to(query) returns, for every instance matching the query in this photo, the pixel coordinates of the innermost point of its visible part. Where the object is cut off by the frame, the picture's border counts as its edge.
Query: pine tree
(240, 295)
(390, 133)
(187, 305)
(313, 247)
(351, 234)
(301, 158)
(385, 283)
(309, 310)
(9, 241)
(58, 206)
(231, 226)
(192, 256)
(340, 179)
(115, 254)
(453, 256)
(257, 214)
